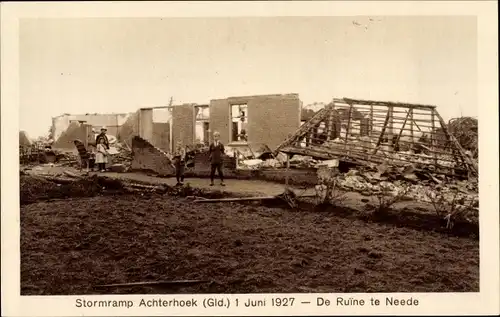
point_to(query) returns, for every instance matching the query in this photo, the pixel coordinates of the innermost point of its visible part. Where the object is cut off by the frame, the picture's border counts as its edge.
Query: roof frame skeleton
(378, 126)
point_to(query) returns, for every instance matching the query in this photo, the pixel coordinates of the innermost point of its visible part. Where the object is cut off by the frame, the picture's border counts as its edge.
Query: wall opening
(162, 123)
(202, 125)
(239, 123)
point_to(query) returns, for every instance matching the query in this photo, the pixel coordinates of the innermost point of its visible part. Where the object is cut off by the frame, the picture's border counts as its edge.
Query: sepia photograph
(200, 155)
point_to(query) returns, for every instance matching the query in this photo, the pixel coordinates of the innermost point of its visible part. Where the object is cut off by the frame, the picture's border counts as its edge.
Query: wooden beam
(454, 141)
(433, 138)
(391, 127)
(402, 128)
(381, 134)
(287, 175)
(219, 200)
(371, 121)
(303, 130)
(348, 127)
(329, 126)
(385, 103)
(411, 130)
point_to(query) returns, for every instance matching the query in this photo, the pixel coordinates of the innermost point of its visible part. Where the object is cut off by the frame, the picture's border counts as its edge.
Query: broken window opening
(202, 126)
(239, 122)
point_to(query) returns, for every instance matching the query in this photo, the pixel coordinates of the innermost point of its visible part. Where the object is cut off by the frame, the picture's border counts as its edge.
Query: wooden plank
(433, 138)
(217, 200)
(452, 138)
(303, 130)
(371, 120)
(329, 126)
(391, 127)
(411, 130)
(348, 128)
(386, 103)
(381, 134)
(362, 159)
(402, 128)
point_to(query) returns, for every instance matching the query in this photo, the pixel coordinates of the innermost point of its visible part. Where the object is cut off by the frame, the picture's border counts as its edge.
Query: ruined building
(263, 119)
(96, 121)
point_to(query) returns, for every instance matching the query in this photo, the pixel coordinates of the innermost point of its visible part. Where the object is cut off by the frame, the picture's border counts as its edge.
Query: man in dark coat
(102, 135)
(216, 159)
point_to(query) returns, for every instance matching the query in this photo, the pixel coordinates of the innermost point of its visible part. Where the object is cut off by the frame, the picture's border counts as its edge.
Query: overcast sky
(122, 64)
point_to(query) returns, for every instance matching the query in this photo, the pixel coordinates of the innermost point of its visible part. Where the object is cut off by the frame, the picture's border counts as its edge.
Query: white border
(485, 302)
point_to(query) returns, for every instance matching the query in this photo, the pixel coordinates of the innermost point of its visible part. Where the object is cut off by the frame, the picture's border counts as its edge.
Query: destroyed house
(374, 132)
(262, 119)
(112, 122)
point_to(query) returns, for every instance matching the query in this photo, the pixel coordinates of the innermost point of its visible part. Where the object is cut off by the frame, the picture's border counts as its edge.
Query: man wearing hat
(103, 135)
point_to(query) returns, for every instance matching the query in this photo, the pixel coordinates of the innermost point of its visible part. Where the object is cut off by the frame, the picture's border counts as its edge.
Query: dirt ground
(72, 245)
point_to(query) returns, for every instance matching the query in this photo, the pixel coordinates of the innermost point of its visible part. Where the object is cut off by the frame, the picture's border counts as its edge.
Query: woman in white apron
(101, 156)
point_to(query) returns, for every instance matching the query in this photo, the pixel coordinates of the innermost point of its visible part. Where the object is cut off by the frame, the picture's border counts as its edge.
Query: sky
(116, 65)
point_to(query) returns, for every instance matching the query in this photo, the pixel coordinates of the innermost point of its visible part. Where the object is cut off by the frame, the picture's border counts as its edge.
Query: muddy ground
(70, 245)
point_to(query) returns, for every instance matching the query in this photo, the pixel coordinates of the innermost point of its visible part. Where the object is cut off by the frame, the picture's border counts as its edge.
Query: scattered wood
(434, 179)
(58, 180)
(73, 175)
(141, 186)
(287, 196)
(126, 144)
(217, 200)
(147, 283)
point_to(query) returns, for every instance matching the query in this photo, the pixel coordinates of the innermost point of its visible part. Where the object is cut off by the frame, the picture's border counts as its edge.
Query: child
(179, 163)
(101, 157)
(91, 163)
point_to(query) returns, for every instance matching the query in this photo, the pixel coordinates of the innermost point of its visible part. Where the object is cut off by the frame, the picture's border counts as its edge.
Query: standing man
(104, 136)
(216, 157)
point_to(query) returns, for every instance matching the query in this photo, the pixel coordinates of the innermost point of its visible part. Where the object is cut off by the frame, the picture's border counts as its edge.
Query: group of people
(216, 150)
(102, 150)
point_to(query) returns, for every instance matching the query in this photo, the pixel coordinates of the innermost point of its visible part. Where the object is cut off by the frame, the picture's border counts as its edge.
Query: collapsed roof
(375, 132)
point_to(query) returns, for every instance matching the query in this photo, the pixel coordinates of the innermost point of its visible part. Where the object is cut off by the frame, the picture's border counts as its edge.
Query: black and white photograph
(249, 155)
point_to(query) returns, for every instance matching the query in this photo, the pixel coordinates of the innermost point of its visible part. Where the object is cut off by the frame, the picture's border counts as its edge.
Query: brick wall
(161, 136)
(111, 121)
(271, 118)
(147, 157)
(183, 124)
(129, 129)
(220, 116)
(75, 131)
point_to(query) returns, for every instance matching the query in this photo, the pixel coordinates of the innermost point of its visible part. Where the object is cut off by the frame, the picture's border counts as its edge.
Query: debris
(368, 132)
(287, 196)
(68, 173)
(252, 164)
(218, 200)
(118, 168)
(328, 163)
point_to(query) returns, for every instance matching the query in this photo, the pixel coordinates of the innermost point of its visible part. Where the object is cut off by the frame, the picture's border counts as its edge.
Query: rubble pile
(123, 155)
(374, 183)
(362, 147)
(297, 161)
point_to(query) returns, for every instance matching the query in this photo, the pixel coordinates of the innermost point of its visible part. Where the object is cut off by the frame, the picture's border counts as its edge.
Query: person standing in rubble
(179, 162)
(101, 156)
(216, 157)
(103, 135)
